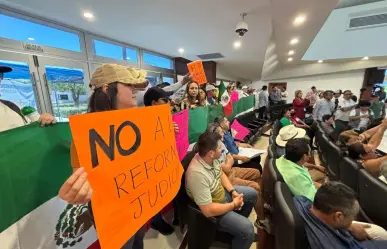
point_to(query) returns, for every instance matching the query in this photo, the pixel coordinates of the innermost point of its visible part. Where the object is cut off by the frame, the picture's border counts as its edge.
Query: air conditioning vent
(368, 21)
(212, 56)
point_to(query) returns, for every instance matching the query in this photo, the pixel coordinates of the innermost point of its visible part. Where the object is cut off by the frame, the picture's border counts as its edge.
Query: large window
(108, 50)
(27, 31)
(157, 61)
(113, 51)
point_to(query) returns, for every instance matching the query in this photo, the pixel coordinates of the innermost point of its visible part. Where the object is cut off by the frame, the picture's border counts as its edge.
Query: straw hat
(288, 132)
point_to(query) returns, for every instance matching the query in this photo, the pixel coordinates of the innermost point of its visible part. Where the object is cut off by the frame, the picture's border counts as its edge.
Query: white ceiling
(200, 27)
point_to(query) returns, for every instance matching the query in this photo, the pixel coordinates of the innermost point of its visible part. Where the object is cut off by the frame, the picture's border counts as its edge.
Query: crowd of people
(227, 185)
(329, 208)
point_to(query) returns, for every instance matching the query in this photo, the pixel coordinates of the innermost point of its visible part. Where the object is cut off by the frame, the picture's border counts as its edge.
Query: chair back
(324, 144)
(334, 156)
(349, 173)
(289, 231)
(182, 199)
(269, 178)
(372, 198)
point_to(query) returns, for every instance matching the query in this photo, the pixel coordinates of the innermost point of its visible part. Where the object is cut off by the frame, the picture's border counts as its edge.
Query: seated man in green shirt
(300, 183)
(212, 191)
(285, 120)
(291, 167)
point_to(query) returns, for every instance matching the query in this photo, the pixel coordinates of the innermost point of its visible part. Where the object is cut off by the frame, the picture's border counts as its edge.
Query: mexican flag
(34, 163)
(224, 99)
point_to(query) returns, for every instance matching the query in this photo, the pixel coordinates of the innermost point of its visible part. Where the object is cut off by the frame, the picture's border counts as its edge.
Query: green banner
(200, 117)
(35, 162)
(242, 105)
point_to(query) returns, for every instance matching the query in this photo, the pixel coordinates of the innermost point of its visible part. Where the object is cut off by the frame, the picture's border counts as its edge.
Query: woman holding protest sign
(114, 88)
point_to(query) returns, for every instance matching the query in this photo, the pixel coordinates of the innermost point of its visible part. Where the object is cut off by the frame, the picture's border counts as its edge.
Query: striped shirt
(203, 182)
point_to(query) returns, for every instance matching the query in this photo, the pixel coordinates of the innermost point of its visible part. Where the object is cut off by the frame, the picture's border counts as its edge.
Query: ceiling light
(291, 52)
(237, 44)
(294, 41)
(290, 59)
(128, 58)
(366, 58)
(320, 61)
(181, 50)
(299, 20)
(31, 38)
(88, 15)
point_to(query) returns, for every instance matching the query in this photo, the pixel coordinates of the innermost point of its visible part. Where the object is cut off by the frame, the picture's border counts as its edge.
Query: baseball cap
(111, 73)
(4, 69)
(155, 93)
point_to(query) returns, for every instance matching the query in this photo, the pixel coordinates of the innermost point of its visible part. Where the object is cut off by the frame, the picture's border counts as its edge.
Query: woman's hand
(76, 189)
(176, 127)
(46, 119)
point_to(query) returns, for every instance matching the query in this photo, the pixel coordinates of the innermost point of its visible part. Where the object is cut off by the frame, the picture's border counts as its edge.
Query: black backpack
(14, 108)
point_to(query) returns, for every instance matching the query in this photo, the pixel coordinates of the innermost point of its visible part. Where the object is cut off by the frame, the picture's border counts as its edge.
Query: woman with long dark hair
(114, 88)
(191, 97)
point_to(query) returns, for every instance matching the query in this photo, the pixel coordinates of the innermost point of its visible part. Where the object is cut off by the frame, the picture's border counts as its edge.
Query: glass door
(66, 85)
(22, 85)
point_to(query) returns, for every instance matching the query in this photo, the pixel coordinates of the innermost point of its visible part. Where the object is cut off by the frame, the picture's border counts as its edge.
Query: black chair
(349, 173)
(372, 198)
(268, 182)
(202, 231)
(324, 144)
(272, 139)
(289, 231)
(334, 156)
(270, 152)
(276, 127)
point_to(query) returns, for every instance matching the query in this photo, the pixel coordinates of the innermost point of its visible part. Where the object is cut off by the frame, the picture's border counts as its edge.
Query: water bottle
(30, 113)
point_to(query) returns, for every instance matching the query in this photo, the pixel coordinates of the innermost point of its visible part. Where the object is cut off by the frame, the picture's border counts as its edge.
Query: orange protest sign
(132, 164)
(197, 71)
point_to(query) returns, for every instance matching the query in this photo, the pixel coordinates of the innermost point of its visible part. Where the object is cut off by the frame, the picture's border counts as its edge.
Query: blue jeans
(237, 223)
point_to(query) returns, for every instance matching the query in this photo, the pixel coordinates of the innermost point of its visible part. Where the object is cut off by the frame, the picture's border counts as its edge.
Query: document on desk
(250, 152)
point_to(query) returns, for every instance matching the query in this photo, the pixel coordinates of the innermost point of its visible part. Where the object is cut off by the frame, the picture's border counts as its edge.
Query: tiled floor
(154, 240)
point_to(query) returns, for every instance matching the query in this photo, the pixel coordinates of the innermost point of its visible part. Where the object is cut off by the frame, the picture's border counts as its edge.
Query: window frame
(15, 45)
(154, 68)
(92, 56)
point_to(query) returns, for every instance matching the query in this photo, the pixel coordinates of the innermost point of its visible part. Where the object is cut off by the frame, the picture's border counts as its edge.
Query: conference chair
(349, 173)
(334, 156)
(202, 230)
(270, 176)
(270, 152)
(289, 231)
(372, 198)
(324, 143)
(272, 139)
(276, 128)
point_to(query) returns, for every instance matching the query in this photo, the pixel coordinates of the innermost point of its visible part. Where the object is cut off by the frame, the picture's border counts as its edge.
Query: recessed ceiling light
(181, 50)
(237, 44)
(291, 52)
(294, 41)
(320, 61)
(290, 59)
(366, 58)
(31, 38)
(299, 20)
(88, 15)
(128, 58)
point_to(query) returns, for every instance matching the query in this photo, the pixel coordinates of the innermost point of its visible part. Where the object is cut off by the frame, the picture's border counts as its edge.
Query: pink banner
(240, 131)
(234, 96)
(182, 144)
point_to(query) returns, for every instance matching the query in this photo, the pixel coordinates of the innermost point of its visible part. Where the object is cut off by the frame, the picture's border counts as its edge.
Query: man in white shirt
(344, 108)
(10, 114)
(360, 119)
(284, 95)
